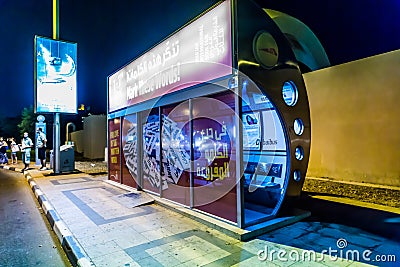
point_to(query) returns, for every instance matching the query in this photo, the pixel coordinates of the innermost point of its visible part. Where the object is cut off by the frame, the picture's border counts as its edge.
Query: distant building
(91, 141)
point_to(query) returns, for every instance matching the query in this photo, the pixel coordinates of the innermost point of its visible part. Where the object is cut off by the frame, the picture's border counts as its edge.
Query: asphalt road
(26, 238)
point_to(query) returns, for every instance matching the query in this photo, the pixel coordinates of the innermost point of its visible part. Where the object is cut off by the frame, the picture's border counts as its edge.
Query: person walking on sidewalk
(26, 146)
(14, 150)
(3, 151)
(41, 146)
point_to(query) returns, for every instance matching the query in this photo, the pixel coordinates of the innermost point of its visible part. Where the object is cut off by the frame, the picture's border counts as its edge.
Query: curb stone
(74, 251)
(11, 168)
(71, 247)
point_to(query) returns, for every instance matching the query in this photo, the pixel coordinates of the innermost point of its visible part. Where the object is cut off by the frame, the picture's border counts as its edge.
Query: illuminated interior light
(245, 62)
(298, 126)
(290, 93)
(299, 153)
(297, 175)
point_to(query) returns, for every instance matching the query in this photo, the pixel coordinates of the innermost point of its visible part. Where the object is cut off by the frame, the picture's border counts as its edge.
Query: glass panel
(297, 175)
(298, 126)
(265, 156)
(289, 93)
(299, 153)
(114, 156)
(175, 136)
(130, 152)
(151, 151)
(214, 155)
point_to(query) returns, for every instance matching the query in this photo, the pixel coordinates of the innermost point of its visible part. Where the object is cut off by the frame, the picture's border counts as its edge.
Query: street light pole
(56, 122)
(55, 20)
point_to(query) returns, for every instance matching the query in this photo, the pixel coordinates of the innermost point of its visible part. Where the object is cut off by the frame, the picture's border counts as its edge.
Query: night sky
(112, 33)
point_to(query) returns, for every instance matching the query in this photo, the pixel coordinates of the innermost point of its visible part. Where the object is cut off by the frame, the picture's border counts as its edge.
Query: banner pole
(56, 121)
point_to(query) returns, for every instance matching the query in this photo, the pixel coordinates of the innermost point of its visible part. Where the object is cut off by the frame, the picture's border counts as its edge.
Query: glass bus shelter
(214, 118)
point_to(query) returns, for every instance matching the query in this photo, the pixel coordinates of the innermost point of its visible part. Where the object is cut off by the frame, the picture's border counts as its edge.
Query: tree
(9, 127)
(27, 123)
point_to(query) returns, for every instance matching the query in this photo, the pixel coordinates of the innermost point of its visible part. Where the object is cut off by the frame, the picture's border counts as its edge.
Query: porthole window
(289, 93)
(297, 175)
(298, 126)
(299, 153)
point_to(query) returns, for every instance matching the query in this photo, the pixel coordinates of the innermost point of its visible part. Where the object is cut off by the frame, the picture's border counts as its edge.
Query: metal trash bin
(67, 158)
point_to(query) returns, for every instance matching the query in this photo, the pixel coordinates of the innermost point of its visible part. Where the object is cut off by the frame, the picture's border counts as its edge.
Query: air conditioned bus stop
(214, 118)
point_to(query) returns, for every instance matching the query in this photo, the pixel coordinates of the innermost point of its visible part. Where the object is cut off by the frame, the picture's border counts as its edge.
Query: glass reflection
(175, 138)
(265, 156)
(151, 152)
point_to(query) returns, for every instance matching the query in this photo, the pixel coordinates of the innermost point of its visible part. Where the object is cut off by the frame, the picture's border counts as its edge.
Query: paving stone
(149, 261)
(285, 234)
(101, 249)
(95, 238)
(179, 228)
(359, 264)
(147, 226)
(254, 245)
(255, 262)
(185, 254)
(157, 233)
(365, 242)
(373, 237)
(327, 261)
(127, 241)
(88, 233)
(119, 258)
(334, 233)
(167, 259)
(206, 259)
(151, 235)
(200, 244)
(389, 248)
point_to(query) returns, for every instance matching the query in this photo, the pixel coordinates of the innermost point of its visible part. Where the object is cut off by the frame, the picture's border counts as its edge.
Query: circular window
(289, 93)
(299, 153)
(298, 126)
(265, 49)
(297, 175)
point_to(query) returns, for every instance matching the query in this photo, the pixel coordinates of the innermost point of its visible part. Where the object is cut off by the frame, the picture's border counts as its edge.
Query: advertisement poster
(151, 156)
(197, 53)
(251, 131)
(212, 150)
(174, 161)
(114, 153)
(273, 136)
(214, 155)
(55, 80)
(176, 158)
(130, 150)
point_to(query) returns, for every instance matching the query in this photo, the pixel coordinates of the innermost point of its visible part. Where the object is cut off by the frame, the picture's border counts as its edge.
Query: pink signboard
(197, 53)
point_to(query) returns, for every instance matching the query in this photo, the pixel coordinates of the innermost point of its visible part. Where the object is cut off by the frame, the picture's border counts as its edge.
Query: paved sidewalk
(97, 227)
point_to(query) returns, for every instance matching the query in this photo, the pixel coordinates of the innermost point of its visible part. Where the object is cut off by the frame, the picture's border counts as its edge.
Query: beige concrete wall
(77, 138)
(355, 109)
(95, 136)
